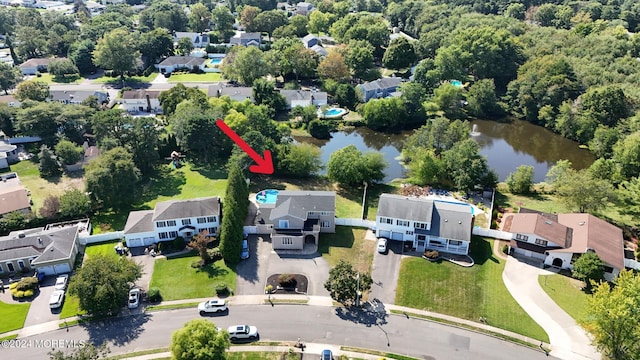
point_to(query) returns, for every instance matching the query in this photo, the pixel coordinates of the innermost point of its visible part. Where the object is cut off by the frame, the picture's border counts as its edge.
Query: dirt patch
(298, 285)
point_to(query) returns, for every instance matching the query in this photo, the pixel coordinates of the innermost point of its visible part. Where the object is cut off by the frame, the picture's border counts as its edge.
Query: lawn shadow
(165, 182)
(371, 313)
(117, 83)
(480, 251)
(213, 271)
(110, 219)
(212, 172)
(119, 331)
(343, 237)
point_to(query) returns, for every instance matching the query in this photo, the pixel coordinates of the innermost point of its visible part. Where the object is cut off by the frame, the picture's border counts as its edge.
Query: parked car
(244, 254)
(61, 282)
(56, 299)
(242, 332)
(212, 306)
(134, 298)
(382, 245)
(326, 355)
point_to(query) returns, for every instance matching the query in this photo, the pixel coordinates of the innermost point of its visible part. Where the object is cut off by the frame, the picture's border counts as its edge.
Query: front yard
(567, 293)
(206, 77)
(468, 293)
(348, 244)
(176, 279)
(13, 316)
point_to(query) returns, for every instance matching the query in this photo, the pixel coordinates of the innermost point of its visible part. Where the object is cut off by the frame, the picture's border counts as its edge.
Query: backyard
(348, 244)
(567, 293)
(176, 279)
(468, 293)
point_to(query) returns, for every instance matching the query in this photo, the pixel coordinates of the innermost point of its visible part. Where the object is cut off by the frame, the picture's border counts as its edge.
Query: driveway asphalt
(146, 261)
(567, 339)
(40, 312)
(252, 272)
(386, 268)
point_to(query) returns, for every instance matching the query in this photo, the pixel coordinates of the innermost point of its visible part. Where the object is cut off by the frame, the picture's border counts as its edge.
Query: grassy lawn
(348, 244)
(468, 293)
(71, 307)
(129, 80)
(206, 77)
(103, 248)
(13, 316)
(176, 279)
(48, 78)
(566, 292)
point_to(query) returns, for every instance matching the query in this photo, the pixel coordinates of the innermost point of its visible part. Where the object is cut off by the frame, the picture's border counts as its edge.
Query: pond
(506, 146)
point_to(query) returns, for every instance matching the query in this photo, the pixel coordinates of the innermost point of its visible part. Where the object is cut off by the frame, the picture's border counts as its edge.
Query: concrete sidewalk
(568, 340)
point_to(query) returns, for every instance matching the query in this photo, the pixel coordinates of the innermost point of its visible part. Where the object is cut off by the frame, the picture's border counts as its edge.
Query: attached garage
(62, 268)
(384, 233)
(134, 242)
(148, 240)
(47, 270)
(396, 236)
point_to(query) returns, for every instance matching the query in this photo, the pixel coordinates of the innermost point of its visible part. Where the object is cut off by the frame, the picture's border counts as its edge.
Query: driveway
(568, 340)
(40, 312)
(386, 268)
(146, 261)
(252, 272)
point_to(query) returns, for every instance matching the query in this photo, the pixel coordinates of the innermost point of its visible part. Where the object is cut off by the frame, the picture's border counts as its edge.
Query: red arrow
(263, 165)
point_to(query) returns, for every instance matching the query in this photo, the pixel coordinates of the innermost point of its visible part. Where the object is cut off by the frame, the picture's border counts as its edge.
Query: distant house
(560, 239)
(141, 100)
(10, 100)
(304, 8)
(33, 66)
(298, 217)
(13, 195)
(427, 224)
(319, 50)
(8, 152)
(380, 88)
(304, 98)
(170, 219)
(237, 93)
(77, 96)
(198, 40)
(310, 40)
(94, 7)
(189, 63)
(246, 39)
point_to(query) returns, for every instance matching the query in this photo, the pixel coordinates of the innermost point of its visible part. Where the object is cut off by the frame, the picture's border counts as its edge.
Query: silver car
(242, 332)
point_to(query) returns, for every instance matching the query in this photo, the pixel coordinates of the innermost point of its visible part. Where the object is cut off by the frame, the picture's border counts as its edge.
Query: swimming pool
(456, 83)
(333, 112)
(215, 61)
(267, 196)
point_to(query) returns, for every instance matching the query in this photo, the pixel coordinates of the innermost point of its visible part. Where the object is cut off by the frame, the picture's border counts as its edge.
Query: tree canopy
(349, 166)
(111, 179)
(343, 282)
(199, 340)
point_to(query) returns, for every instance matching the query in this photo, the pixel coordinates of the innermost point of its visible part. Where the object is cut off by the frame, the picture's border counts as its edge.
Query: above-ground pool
(333, 113)
(456, 83)
(215, 61)
(267, 196)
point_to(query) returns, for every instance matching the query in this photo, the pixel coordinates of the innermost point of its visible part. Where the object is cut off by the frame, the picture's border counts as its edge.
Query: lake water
(506, 146)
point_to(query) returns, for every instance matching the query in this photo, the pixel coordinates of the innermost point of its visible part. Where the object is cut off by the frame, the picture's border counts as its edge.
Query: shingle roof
(38, 62)
(293, 95)
(384, 83)
(139, 222)
(13, 198)
(182, 60)
(531, 223)
(452, 220)
(140, 94)
(180, 209)
(404, 207)
(76, 95)
(299, 203)
(48, 245)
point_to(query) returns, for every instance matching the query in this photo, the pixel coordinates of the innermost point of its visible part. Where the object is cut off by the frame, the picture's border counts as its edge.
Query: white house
(33, 66)
(141, 100)
(380, 88)
(428, 224)
(198, 40)
(304, 8)
(8, 152)
(304, 98)
(189, 63)
(237, 93)
(171, 219)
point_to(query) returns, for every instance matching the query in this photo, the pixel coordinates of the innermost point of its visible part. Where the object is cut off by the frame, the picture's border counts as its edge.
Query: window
(402, 222)
(608, 269)
(163, 235)
(325, 224)
(21, 264)
(455, 242)
(422, 237)
(312, 213)
(324, 213)
(283, 224)
(522, 237)
(10, 267)
(161, 224)
(171, 223)
(419, 225)
(201, 220)
(409, 232)
(541, 242)
(173, 234)
(384, 220)
(211, 219)
(213, 230)
(186, 221)
(287, 241)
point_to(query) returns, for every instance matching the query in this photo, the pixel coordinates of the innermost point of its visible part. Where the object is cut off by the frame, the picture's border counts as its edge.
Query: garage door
(134, 242)
(61, 268)
(396, 236)
(148, 241)
(384, 233)
(47, 270)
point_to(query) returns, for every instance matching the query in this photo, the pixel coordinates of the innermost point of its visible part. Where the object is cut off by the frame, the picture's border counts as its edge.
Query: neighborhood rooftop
(140, 94)
(298, 204)
(176, 209)
(182, 60)
(45, 245)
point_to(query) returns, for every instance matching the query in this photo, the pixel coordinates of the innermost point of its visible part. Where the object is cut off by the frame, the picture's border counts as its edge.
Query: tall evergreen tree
(236, 203)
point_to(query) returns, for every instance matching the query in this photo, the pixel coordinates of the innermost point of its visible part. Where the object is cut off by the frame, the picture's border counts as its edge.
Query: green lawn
(347, 244)
(176, 279)
(103, 248)
(467, 293)
(13, 316)
(129, 80)
(567, 293)
(206, 77)
(71, 307)
(48, 78)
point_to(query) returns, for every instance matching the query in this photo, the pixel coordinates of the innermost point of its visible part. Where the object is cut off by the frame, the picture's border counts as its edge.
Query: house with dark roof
(304, 98)
(380, 88)
(427, 224)
(77, 96)
(310, 40)
(189, 63)
(559, 240)
(50, 250)
(141, 100)
(237, 93)
(246, 39)
(298, 217)
(304, 8)
(198, 40)
(170, 219)
(33, 66)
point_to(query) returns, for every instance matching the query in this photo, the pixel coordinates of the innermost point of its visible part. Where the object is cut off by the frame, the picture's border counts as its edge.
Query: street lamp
(358, 290)
(364, 197)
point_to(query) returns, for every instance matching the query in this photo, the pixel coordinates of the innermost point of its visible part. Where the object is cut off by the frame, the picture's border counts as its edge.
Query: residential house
(33, 66)
(141, 100)
(50, 250)
(237, 93)
(190, 63)
(322, 52)
(10, 100)
(77, 96)
(246, 39)
(198, 40)
(94, 8)
(427, 224)
(170, 219)
(310, 40)
(304, 8)
(558, 240)
(380, 88)
(5, 58)
(13, 195)
(304, 98)
(298, 217)
(8, 152)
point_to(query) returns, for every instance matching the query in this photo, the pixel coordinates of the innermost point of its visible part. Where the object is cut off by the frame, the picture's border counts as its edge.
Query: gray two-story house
(378, 89)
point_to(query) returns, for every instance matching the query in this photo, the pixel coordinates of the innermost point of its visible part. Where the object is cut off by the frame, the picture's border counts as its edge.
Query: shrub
(214, 254)
(19, 294)
(432, 254)
(505, 249)
(154, 294)
(268, 289)
(165, 246)
(222, 289)
(13, 285)
(28, 293)
(179, 244)
(286, 280)
(27, 283)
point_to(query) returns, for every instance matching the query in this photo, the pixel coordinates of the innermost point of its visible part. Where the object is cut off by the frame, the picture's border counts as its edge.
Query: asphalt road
(373, 329)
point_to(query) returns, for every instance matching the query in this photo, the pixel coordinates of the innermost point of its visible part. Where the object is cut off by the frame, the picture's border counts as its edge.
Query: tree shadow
(213, 172)
(371, 313)
(165, 182)
(119, 331)
(480, 251)
(213, 271)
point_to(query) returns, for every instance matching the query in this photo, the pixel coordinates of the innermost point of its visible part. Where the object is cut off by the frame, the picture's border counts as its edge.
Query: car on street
(382, 245)
(326, 355)
(244, 254)
(56, 299)
(61, 282)
(242, 332)
(134, 298)
(212, 306)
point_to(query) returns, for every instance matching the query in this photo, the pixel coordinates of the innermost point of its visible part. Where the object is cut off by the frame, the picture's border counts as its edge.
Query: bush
(214, 254)
(286, 280)
(28, 293)
(148, 71)
(154, 294)
(268, 289)
(222, 289)
(165, 246)
(505, 249)
(197, 264)
(19, 294)
(27, 283)
(179, 244)
(431, 254)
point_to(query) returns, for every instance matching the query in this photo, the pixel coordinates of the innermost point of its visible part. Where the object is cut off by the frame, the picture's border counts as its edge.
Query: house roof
(36, 62)
(319, 50)
(299, 203)
(248, 35)
(383, 83)
(6, 147)
(180, 209)
(235, 92)
(182, 60)
(13, 198)
(309, 37)
(194, 36)
(297, 95)
(139, 222)
(404, 207)
(47, 245)
(140, 94)
(76, 95)
(532, 223)
(452, 220)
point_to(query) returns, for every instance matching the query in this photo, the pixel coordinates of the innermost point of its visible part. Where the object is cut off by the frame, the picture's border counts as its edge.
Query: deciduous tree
(333, 67)
(399, 55)
(344, 282)
(185, 46)
(200, 243)
(300, 160)
(32, 90)
(50, 207)
(117, 51)
(74, 203)
(244, 64)
(48, 166)
(349, 166)
(199, 17)
(520, 181)
(199, 340)
(155, 45)
(9, 77)
(68, 152)
(81, 53)
(588, 268)
(111, 179)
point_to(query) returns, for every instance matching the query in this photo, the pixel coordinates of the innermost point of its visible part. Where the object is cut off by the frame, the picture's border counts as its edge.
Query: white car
(61, 282)
(382, 245)
(241, 332)
(244, 253)
(56, 299)
(212, 306)
(134, 298)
